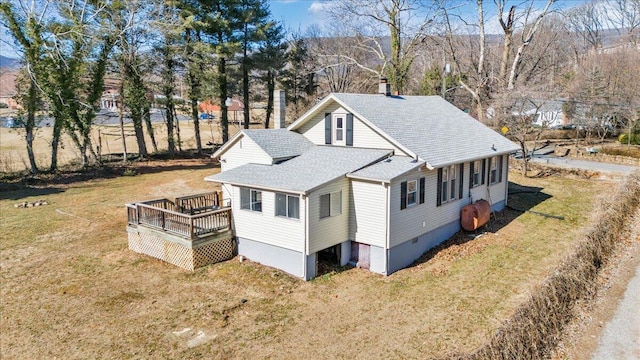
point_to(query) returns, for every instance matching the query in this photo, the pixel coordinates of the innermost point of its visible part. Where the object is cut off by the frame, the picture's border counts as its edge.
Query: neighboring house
(375, 180)
(547, 113)
(8, 88)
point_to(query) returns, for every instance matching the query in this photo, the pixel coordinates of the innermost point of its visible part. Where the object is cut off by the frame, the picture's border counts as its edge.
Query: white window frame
(339, 130)
(413, 192)
(453, 182)
(476, 177)
(288, 209)
(444, 185)
(449, 187)
(335, 204)
(254, 201)
(493, 170)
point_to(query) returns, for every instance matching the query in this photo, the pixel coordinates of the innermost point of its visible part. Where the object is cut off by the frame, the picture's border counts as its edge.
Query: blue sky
(297, 14)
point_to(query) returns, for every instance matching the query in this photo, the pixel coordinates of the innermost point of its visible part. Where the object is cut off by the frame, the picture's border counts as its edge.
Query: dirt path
(608, 327)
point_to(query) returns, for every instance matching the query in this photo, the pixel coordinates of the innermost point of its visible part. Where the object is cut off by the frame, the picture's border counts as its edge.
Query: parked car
(205, 116)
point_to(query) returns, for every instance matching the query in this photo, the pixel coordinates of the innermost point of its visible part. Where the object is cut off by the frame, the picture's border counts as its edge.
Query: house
(370, 179)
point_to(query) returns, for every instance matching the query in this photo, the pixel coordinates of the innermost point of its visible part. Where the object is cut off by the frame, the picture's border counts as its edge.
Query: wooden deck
(189, 232)
(189, 217)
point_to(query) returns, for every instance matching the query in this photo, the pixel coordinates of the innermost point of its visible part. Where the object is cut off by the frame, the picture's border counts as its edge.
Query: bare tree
(403, 23)
(338, 61)
(586, 23)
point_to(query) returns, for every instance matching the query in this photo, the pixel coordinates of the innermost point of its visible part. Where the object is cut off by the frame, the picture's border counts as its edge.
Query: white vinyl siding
(332, 230)
(363, 135)
(369, 224)
(267, 228)
(244, 151)
(412, 222)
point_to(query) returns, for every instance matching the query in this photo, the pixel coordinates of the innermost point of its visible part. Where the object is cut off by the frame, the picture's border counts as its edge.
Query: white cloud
(319, 7)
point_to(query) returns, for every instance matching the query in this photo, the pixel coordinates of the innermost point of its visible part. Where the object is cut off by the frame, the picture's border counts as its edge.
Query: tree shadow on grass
(16, 187)
(521, 200)
(9, 193)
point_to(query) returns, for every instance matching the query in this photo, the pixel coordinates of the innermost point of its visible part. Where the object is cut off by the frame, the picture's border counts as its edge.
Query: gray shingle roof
(302, 174)
(388, 169)
(279, 143)
(429, 126)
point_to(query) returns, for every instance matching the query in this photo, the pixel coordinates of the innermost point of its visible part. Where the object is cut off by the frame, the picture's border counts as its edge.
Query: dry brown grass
(534, 330)
(69, 288)
(13, 154)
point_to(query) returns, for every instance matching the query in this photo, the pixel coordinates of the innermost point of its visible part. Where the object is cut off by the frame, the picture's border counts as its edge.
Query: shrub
(624, 138)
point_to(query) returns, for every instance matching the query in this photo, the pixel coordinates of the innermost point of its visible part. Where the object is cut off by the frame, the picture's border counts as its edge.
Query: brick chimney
(279, 105)
(384, 87)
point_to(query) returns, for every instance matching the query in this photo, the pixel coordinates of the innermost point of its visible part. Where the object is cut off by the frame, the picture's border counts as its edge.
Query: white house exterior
(375, 180)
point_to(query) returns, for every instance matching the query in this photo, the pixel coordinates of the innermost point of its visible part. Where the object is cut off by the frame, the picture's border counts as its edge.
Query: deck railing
(197, 203)
(190, 222)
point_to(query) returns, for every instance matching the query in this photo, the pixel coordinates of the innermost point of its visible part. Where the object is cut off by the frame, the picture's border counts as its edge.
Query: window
(412, 190)
(476, 173)
(450, 180)
(287, 206)
(250, 199)
(444, 192)
(330, 204)
(339, 129)
(493, 170)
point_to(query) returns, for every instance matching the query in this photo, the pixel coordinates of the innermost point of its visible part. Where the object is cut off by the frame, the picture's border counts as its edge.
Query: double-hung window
(330, 204)
(444, 191)
(493, 170)
(339, 129)
(287, 206)
(453, 189)
(251, 199)
(450, 180)
(476, 173)
(412, 192)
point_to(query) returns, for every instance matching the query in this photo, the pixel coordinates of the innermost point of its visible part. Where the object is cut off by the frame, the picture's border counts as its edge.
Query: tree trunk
(222, 83)
(196, 124)
(147, 121)
(55, 141)
(30, 124)
(177, 120)
(121, 121)
(270, 89)
(137, 127)
(508, 42)
(245, 83)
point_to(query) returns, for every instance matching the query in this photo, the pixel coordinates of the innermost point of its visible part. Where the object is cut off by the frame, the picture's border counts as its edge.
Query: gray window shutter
(500, 161)
(349, 140)
(421, 190)
(403, 195)
(461, 195)
(327, 128)
(484, 170)
(439, 197)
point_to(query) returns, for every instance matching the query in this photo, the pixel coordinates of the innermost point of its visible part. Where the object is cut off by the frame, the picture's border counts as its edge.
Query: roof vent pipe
(384, 87)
